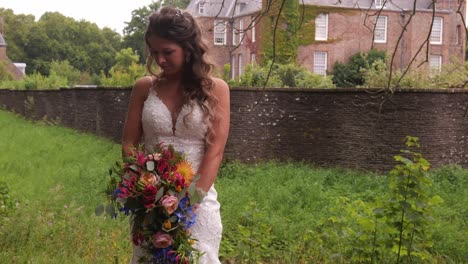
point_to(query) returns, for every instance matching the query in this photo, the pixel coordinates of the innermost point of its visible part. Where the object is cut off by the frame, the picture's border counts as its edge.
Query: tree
(134, 31)
(64, 69)
(56, 37)
(182, 4)
(16, 29)
(125, 57)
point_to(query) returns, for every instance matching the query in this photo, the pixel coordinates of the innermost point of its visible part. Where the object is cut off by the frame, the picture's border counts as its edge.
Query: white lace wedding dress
(188, 137)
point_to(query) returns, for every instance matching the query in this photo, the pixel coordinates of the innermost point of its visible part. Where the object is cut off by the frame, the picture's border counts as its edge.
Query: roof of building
(238, 8)
(223, 8)
(365, 4)
(2, 41)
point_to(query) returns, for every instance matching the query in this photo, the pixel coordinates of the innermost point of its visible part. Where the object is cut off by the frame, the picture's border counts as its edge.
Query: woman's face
(169, 55)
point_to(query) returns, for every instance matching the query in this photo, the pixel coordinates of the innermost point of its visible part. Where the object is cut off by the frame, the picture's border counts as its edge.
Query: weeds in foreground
(271, 212)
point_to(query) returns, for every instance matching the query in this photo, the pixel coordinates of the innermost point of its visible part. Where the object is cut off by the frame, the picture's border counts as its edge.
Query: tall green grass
(56, 174)
(268, 210)
(292, 198)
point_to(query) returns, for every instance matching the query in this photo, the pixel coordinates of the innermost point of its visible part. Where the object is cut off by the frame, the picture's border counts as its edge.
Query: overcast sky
(105, 13)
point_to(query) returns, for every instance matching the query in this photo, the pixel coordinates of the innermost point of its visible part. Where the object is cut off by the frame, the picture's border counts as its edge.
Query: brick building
(14, 72)
(345, 29)
(337, 30)
(229, 31)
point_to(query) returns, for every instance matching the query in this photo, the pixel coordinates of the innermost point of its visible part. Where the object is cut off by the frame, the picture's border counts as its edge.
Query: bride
(186, 107)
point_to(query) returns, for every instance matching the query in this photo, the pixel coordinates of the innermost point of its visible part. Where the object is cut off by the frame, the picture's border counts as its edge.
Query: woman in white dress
(186, 107)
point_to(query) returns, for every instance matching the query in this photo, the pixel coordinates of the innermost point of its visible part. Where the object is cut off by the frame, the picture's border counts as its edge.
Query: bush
(350, 74)
(281, 76)
(4, 74)
(393, 226)
(66, 70)
(123, 77)
(37, 81)
(454, 75)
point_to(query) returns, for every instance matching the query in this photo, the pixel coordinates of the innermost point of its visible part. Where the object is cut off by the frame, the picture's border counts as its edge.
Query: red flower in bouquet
(159, 190)
(149, 196)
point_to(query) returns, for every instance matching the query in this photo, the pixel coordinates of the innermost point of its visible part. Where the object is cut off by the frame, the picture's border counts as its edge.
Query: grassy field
(57, 176)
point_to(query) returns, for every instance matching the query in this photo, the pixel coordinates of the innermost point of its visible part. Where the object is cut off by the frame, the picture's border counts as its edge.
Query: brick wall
(351, 128)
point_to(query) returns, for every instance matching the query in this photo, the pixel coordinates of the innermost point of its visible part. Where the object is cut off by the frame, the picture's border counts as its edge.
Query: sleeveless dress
(188, 137)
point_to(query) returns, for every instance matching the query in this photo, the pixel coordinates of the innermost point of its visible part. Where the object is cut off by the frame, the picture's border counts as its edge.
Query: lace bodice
(188, 136)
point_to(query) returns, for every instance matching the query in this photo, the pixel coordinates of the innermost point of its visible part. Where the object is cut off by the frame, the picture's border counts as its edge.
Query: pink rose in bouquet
(162, 240)
(169, 203)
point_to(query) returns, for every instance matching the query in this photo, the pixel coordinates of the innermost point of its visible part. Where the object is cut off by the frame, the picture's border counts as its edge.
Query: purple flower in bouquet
(186, 216)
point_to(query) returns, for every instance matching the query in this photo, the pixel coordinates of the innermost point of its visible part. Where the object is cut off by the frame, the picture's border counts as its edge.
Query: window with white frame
(252, 58)
(253, 29)
(201, 8)
(436, 33)
(380, 32)
(321, 27)
(320, 62)
(241, 31)
(379, 3)
(220, 32)
(233, 66)
(239, 8)
(435, 63)
(241, 69)
(234, 33)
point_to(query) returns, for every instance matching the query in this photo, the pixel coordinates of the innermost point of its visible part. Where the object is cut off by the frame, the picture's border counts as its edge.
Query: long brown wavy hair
(180, 27)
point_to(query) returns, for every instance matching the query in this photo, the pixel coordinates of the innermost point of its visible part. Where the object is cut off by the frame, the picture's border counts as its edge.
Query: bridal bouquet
(158, 190)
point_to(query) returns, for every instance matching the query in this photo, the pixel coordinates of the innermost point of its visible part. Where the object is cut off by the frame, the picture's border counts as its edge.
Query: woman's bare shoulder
(220, 86)
(142, 86)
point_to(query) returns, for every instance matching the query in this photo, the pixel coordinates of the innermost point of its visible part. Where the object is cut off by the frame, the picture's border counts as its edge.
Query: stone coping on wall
(295, 89)
(365, 90)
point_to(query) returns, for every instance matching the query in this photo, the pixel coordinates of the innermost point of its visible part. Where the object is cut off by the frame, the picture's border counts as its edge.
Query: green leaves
(150, 165)
(110, 209)
(411, 207)
(396, 226)
(159, 194)
(99, 210)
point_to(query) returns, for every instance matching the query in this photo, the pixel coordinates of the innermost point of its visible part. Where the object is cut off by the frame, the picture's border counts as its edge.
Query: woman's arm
(214, 153)
(133, 129)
